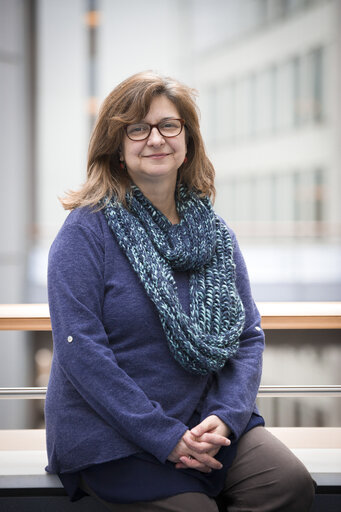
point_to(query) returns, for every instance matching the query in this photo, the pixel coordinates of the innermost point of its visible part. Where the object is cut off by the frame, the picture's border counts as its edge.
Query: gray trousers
(264, 477)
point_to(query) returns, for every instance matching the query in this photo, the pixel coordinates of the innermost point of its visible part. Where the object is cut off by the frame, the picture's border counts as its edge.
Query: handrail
(38, 393)
(275, 315)
(264, 391)
(300, 391)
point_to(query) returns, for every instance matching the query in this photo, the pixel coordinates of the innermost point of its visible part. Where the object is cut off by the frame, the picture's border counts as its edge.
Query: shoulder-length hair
(128, 103)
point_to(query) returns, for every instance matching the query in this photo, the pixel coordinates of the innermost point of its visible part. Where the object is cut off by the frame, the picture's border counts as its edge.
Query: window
(243, 116)
(310, 87)
(226, 113)
(225, 117)
(208, 109)
(318, 75)
(285, 94)
(264, 101)
(318, 195)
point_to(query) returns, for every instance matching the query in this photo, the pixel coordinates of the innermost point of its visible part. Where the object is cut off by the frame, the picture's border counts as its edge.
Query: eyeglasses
(166, 128)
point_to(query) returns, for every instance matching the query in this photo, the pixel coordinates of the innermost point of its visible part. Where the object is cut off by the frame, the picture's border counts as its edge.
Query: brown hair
(127, 103)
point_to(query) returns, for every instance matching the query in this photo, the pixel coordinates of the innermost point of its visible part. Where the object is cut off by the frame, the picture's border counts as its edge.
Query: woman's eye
(138, 128)
(168, 124)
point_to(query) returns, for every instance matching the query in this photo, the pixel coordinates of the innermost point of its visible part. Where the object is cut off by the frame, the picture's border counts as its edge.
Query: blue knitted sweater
(115, 389)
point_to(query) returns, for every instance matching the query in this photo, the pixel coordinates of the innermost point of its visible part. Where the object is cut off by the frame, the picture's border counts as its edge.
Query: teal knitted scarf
(201, 244)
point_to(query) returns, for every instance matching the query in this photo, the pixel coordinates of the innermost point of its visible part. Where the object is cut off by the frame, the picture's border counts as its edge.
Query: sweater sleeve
(76, 287)
(233, 392)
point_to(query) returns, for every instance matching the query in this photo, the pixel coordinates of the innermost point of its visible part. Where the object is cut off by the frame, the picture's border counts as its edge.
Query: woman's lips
(157, 155)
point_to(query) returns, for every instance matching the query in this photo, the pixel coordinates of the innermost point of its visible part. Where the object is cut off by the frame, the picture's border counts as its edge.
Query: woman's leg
(186, 502)
(266, 477)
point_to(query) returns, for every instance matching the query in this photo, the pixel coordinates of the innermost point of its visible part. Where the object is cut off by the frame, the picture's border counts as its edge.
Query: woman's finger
(192, 460)
(207, 424)
(197, 446)
(180, 465)
(206, 442)
(192, 463)
(209, 461)
(215, 439)
(212, 424)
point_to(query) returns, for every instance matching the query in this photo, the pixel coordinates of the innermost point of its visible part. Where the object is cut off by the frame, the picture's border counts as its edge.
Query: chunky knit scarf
(205, 339)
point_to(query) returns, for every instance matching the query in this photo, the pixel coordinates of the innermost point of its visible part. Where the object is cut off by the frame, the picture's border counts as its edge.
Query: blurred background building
(271, 111)
(268, 74)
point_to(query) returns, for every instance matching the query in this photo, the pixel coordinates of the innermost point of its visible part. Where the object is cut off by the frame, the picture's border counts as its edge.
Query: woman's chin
(154, 172)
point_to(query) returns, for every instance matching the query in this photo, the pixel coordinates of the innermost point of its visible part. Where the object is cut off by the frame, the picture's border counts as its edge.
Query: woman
(157, 341)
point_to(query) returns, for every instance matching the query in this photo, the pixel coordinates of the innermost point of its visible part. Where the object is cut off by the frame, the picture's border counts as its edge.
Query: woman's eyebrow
(162, 119)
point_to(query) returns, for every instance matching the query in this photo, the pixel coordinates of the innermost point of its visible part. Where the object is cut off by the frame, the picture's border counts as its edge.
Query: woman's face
(157, 158)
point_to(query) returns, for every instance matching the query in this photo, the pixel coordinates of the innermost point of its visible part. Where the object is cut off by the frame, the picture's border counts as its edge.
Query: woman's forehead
(160, 108)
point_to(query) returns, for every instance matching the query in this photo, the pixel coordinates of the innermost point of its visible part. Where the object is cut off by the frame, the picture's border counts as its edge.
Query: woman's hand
(197, 448)
(208, 430)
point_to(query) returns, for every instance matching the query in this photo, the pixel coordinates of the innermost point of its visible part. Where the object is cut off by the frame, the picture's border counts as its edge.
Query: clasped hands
(198, 446)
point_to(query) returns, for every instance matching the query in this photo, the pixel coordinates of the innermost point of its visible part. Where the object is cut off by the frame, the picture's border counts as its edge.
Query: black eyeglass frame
(151, 126)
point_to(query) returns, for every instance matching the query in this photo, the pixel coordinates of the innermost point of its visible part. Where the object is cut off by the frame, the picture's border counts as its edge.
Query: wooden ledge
(25, 317)
(275, 315)
(300, 315)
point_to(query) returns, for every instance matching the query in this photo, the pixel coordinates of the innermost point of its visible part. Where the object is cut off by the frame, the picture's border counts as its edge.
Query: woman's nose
(155, 137)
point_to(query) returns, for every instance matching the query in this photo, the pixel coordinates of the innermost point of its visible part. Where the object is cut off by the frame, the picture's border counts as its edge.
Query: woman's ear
(120, 153)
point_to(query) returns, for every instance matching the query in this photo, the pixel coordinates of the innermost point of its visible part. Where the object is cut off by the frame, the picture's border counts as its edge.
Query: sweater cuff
(171, 442)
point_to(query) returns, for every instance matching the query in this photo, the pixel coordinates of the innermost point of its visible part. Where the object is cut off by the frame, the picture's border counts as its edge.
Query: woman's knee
(293, 489)
(266, 477)
(299, 487)
(279, 489)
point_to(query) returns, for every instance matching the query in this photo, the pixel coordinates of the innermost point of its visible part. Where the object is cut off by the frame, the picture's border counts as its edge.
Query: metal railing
(39, 393)
(275, 315)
